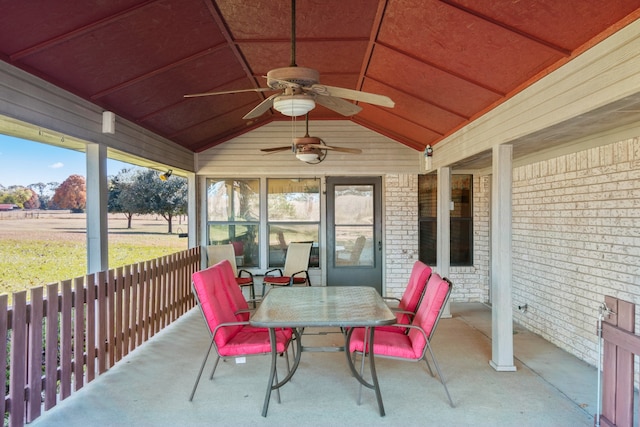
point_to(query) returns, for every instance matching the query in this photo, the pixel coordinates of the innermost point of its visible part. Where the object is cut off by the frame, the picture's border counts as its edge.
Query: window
(461, 219)
(293, 207)
(233, 216)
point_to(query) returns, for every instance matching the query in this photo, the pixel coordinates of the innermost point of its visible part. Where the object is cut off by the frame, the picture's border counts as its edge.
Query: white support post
(501, 213)
(97, 196)
(443, 243)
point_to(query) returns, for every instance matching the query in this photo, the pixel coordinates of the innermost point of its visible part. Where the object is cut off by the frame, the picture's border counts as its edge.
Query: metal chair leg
(215, 365)
(204, 362)
(442, 380)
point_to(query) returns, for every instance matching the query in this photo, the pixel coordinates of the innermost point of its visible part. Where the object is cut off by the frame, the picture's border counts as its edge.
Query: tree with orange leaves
(71, 194)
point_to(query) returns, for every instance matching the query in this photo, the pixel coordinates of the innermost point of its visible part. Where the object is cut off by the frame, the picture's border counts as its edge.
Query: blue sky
(25, 162)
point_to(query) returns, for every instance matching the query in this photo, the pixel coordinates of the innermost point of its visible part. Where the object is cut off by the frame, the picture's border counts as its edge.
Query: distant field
(41, 247)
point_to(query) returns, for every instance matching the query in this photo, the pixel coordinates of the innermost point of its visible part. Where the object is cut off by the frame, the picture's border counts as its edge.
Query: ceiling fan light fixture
(294, 105)
(307, 157)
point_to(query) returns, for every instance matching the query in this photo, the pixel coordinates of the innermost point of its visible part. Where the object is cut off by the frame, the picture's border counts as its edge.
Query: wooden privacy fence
(620, 345)
(59, 341)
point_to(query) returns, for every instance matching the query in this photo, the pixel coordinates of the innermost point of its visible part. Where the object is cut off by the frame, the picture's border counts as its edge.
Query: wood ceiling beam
(562, 51)
(373, 38)
(158, 71)
(224, 29)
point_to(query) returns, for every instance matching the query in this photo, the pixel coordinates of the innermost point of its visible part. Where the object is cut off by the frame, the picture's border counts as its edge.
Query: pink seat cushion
(217, 304)
(420, 274)
(214, 305)
(429, 310)
(254, 341)
(415, 288)
(233, 292)
(387, 343)
(409, 346)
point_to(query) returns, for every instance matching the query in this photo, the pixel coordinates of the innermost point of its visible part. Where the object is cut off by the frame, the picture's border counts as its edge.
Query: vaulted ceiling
(443, 62)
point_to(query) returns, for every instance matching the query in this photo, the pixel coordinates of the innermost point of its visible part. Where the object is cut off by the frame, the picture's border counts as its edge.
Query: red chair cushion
(214, 304)
(278, 280)
(386, 343)
(244, 281)
(429, 309)
(415, 288)
(254, 341)
(420, 274)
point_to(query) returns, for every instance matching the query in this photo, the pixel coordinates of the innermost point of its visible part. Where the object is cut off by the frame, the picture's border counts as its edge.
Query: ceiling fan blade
(227, 92)
(355, 95)
(338, 105)
(275, 149)
(341, 149)
(261, 108)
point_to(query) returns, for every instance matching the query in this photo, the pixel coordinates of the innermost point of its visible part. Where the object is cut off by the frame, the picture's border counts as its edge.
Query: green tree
(122, 197)
(165, 198)
(33, 202)
(44, 192)
(16, 195)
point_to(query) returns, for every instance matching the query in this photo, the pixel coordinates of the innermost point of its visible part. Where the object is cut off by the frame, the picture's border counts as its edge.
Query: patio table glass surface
(302, 307)
(340, 306)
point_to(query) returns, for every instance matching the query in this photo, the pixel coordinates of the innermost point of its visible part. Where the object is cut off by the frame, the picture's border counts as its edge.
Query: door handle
(379, 245)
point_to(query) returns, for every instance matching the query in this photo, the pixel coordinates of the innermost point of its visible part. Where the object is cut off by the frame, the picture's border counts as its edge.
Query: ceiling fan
(299, 89)
(310, 149)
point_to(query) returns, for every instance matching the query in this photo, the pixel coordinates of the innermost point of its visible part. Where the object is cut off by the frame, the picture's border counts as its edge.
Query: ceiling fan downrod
(293, 33)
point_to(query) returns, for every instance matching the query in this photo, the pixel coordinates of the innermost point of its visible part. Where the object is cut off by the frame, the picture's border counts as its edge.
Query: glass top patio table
(340, 306)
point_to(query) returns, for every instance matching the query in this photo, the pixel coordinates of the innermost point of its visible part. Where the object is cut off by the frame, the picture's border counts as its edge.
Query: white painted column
(443, 226)
(97, 198)
(501, 212)
(192, 211)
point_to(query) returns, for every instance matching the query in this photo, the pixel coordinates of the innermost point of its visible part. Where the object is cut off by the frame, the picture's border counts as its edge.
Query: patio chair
(407, 306)
(235, 298)
(412, 346)
(217, 253)
(296, 266)
(355, 254)
(230, 337)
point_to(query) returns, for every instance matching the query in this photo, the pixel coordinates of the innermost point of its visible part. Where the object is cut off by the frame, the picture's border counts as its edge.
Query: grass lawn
(41, 247)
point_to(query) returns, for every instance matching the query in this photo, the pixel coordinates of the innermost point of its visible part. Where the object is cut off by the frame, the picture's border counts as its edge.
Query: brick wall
(401, 231)
(576, 238)
(470, 284)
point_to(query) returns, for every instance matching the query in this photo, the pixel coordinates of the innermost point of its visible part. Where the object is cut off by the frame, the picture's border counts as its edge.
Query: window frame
(456, 224)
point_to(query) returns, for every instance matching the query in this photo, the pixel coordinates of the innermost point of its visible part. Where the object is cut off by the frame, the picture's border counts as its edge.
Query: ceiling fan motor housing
(281, 78)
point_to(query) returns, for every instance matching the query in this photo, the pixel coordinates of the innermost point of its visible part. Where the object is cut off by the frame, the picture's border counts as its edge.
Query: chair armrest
(397, 310)
(245, 271)
(222, 325)
(301, 272)
(391, 298)
(424, 334)
(279, 270)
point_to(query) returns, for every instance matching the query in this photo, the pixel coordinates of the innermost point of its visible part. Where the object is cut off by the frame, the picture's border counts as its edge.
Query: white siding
(241, 156)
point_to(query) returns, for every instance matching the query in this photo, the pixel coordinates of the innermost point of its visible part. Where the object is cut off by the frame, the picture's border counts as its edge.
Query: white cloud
(57, 165)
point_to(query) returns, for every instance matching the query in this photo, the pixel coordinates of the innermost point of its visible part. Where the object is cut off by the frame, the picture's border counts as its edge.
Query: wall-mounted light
(165, 176)
(108, 122)
(428, 154)
(428, 151)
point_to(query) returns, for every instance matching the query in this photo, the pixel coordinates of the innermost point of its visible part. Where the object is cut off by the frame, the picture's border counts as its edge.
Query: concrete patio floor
(150, 387)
